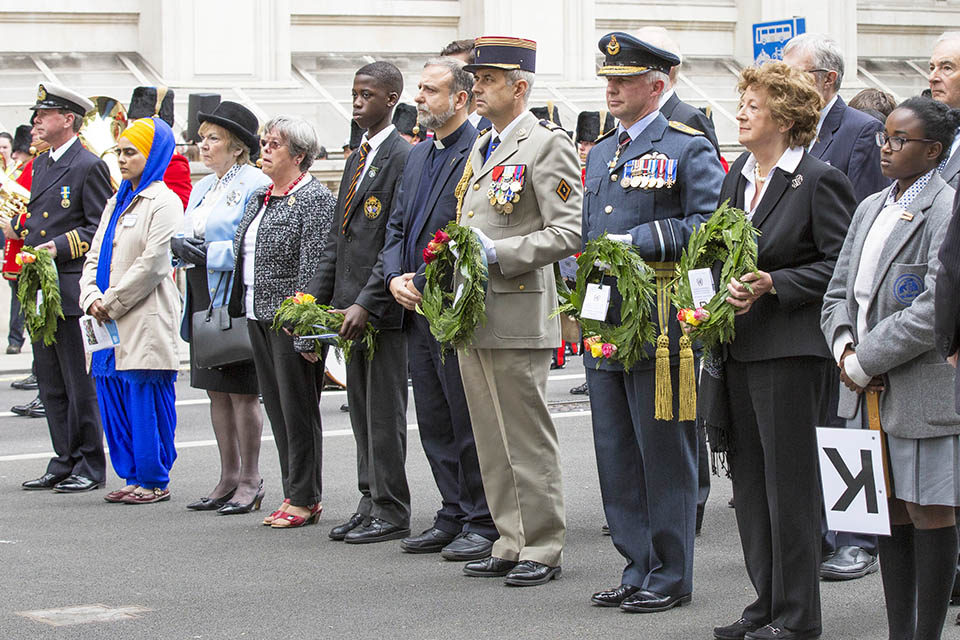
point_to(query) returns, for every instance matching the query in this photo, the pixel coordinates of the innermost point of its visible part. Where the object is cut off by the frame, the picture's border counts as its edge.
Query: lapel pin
(797, 181)
(906, 215)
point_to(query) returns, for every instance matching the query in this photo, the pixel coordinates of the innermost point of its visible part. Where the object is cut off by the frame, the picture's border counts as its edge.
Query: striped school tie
(352, 191)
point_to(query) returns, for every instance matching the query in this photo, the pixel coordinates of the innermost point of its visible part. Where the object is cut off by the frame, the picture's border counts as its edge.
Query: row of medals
(651, 171)
(503, 195)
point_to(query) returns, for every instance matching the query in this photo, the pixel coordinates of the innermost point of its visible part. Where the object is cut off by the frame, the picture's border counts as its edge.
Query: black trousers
(290, 387)
(70, 399)
(774, 409)
(446, 433)
(377, 396)
(15, 335)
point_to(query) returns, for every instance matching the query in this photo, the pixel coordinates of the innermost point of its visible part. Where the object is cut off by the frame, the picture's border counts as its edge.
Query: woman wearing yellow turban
(127, 280)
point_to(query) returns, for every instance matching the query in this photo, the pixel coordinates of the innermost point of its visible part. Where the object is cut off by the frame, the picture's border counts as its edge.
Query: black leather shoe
(46, 481)
(377, 531)
(37, 410)
(605, 529)
(955, 594)
(491, 567)
(580, 390)
(211, 504)
(467, 546)
(776, 632)
(25, 409)
(76, 484)
(644, 601)
(529, 574)
(613, 597)
(345, 407)
(430, 541)
(341, 530)
(848, 563)
(735, 631)
(26, 384)
(13, 349)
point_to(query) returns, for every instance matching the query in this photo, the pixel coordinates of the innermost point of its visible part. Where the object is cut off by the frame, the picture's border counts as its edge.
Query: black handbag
(219, 340)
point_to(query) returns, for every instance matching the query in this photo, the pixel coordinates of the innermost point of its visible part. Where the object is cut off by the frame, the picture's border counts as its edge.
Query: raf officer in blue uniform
(70, 188)
(647, 183)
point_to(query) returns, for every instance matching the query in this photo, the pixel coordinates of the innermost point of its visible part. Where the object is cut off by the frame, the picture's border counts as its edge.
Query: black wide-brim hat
(238, 120)
(625, 55)
(500, 52)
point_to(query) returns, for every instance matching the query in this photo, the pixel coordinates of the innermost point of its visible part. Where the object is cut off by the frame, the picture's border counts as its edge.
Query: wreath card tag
(596, 302)
(701, 286)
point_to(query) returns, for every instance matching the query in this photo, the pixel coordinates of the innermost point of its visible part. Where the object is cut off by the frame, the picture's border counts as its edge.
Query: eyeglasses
(272, 144)
(896, 142)
(818, 70)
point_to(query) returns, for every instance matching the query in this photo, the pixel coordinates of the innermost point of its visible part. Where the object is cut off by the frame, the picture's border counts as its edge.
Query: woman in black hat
(204, 248)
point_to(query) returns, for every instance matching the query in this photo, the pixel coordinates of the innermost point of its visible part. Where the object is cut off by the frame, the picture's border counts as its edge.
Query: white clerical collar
(378, 139)
(56, 154)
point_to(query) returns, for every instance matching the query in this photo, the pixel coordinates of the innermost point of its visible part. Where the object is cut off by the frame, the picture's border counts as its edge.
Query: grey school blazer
(918, 398)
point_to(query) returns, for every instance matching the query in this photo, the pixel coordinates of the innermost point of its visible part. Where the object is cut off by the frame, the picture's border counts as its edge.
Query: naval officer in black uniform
(70, 188)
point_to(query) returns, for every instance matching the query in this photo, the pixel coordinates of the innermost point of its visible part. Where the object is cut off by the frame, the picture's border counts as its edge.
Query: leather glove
(488, 248)
(190, 250)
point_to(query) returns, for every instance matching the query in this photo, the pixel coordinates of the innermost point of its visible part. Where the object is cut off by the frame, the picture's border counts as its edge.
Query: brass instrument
(13, 197)
(100, 131)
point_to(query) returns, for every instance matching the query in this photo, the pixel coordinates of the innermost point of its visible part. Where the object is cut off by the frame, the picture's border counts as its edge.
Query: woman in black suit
(772, 372)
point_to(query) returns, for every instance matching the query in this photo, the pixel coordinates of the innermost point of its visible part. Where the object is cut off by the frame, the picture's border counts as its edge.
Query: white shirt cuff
(855, 372)
(840, 343)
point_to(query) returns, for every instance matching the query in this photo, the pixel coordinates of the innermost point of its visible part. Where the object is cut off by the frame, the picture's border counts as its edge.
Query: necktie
(492, 147)
(352, 191)
(623, 140)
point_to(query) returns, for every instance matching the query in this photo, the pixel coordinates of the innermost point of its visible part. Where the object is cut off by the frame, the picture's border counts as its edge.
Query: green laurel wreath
(454, 319)
(727, 237)
(635, 282)
(40, 275)
(304, 315)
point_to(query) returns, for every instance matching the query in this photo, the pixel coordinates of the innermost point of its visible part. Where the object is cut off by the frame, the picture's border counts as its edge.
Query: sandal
(288, 520)
(142, 495)
(118, 495)
(276, 514)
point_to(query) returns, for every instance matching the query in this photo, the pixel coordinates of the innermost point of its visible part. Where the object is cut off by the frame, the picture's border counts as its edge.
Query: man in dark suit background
(463, 50)
(376, 389)
(463, 528)
(69, 190)
(945, 87)
(846, 140)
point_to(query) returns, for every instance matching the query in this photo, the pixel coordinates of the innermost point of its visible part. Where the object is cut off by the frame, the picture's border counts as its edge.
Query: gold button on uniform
(521, 287)
(613, 177)
(476, 186)
(608, 209)
(470, 214)
(23, 234)
(43, 233)
(28, 216)
(46, 215)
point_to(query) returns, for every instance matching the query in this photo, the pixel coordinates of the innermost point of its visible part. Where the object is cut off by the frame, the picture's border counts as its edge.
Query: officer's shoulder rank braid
(679, 126)
(553, 126)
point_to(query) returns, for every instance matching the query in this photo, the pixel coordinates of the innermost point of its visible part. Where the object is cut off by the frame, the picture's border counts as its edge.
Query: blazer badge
(372, 208)
(65, 197)
(504, 190)
(234, 198)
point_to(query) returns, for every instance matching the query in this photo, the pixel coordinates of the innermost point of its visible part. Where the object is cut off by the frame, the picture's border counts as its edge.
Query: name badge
(596, 302)
(129, 221)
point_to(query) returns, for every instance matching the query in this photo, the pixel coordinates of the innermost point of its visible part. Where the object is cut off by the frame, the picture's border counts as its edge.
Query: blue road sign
(770, 37)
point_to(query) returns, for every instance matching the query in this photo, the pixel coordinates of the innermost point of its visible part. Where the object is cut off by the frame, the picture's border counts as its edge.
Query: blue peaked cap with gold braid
(625, 55)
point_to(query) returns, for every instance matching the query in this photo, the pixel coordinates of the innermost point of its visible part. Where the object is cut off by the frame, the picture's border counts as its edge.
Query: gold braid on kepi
(461, 190)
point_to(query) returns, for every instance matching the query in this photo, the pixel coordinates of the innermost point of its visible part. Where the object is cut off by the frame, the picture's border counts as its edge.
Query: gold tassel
(688, 382)
(461, 189)
(663, 402)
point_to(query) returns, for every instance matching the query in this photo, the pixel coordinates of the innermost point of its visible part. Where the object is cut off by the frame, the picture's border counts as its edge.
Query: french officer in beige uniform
(523, 199)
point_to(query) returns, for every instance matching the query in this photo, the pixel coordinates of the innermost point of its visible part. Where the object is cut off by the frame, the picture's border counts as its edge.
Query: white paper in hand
(596, 302)
(98, 336)
(701, 286)
(39, 300)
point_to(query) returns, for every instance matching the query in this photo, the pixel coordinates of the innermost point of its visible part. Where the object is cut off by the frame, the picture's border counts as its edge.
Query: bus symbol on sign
(769, 38)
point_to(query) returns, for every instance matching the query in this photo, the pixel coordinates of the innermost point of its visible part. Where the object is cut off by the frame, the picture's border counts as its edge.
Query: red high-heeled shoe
(273, 516)
(287, 520)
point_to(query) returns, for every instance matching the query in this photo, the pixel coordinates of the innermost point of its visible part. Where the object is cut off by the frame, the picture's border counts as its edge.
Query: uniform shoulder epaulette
(607, 134)
(553, 126)
(483, 131)
(690, 131)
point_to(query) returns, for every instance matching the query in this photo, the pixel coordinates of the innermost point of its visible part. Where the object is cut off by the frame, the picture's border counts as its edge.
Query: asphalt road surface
(160, 571)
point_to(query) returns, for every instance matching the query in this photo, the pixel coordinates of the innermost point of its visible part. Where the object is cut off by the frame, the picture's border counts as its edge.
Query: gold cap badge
(41, 94)
(613, 47)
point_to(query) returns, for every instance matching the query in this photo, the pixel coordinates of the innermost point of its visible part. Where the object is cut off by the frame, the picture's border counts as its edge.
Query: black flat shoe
(613, 597)
(211, 504)
(46, 481)
(430, 541)
(233, 508)
(467, 546)
(735, 631)
(76, 484)
(645, 601)
(377, 531)
(490, 567)
(776, 632)
(848, 563)
(340, 531)
(25, 409)
(529, 574)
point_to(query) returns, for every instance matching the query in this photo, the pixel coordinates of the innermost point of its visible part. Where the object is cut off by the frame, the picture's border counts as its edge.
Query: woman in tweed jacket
(278, 245)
